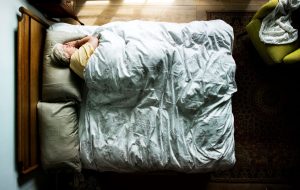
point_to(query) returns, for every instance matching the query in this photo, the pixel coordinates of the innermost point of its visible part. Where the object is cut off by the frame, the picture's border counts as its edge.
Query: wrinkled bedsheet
(158, 97)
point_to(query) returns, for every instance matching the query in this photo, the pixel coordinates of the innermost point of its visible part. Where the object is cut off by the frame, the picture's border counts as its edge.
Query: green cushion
(293, 57)
(265, 9)
(278, 52)
(253, 29)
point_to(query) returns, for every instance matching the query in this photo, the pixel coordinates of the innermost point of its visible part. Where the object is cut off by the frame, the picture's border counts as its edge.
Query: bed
(156, 97)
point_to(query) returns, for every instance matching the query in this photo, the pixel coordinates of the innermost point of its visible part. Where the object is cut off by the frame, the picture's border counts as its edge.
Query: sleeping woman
(75, 53)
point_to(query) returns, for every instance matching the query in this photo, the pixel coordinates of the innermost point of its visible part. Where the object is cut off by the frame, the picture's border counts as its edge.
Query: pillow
(59, 139)
(293, 57)
(278, 52)
(84, 29)
(59, 83)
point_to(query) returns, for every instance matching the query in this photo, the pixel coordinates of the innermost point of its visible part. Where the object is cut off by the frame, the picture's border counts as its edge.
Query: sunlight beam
(129, 2)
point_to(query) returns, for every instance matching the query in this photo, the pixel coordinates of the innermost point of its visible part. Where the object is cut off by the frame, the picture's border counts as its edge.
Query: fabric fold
(276, 27)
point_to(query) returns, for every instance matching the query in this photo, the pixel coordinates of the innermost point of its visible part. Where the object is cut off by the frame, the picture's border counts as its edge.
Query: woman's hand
(88, 39)
(94, 41)
(72, 43)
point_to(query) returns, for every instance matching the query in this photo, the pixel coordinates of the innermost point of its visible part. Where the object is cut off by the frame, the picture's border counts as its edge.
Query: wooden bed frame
(31, 36)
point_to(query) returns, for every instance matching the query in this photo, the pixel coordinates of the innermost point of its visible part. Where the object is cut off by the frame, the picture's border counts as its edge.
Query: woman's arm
(82, 41)
(88, 39)
(94, 41)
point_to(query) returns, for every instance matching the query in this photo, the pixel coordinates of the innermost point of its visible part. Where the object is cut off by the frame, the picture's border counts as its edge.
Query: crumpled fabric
(276, 27)
(158, 98)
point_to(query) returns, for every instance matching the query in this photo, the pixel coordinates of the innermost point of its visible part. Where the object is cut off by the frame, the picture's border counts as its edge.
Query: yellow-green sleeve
(80, 58)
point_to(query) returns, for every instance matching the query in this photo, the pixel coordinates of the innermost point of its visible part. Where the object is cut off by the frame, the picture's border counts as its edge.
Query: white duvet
(159, 98)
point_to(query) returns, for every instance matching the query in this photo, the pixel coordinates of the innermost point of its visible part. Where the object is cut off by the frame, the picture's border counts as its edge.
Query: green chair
(271, 54)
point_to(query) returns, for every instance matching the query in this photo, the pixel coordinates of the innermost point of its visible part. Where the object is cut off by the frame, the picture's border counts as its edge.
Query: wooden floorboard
(95, 12)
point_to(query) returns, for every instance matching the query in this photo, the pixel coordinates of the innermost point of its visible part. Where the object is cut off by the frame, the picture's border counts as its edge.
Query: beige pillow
(59, 83)
(59, 139)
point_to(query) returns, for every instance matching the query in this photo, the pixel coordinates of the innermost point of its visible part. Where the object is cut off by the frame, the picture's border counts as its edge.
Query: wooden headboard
(31, 36)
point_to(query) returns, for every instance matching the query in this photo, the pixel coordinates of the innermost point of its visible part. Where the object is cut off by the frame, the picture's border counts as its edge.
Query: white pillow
(59, 139)
(59, 83)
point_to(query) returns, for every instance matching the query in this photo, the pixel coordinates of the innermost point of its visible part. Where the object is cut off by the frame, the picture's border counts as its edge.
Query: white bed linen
(159, 97)
(276, 27)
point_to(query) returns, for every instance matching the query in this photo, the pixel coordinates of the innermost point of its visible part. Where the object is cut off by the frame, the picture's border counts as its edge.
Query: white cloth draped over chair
(276, 28)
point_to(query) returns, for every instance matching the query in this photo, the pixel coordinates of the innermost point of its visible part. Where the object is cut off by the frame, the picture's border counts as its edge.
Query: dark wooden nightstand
(56, 8)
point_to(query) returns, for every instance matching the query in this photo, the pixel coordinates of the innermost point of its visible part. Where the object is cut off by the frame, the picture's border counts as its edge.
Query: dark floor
(106, 181)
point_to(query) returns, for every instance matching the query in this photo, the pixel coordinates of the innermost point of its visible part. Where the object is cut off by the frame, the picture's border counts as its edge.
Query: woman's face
(69, 49)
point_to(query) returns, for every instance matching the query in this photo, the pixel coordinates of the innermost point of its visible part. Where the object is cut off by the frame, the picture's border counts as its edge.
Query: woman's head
(61, 54)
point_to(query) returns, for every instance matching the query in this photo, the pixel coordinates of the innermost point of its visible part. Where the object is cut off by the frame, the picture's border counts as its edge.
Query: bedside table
(56, 8)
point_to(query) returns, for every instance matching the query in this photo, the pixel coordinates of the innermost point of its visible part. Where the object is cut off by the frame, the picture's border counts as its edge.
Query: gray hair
(59, 56)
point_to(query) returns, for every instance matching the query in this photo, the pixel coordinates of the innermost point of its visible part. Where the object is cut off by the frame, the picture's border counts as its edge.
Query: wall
(8, 59)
